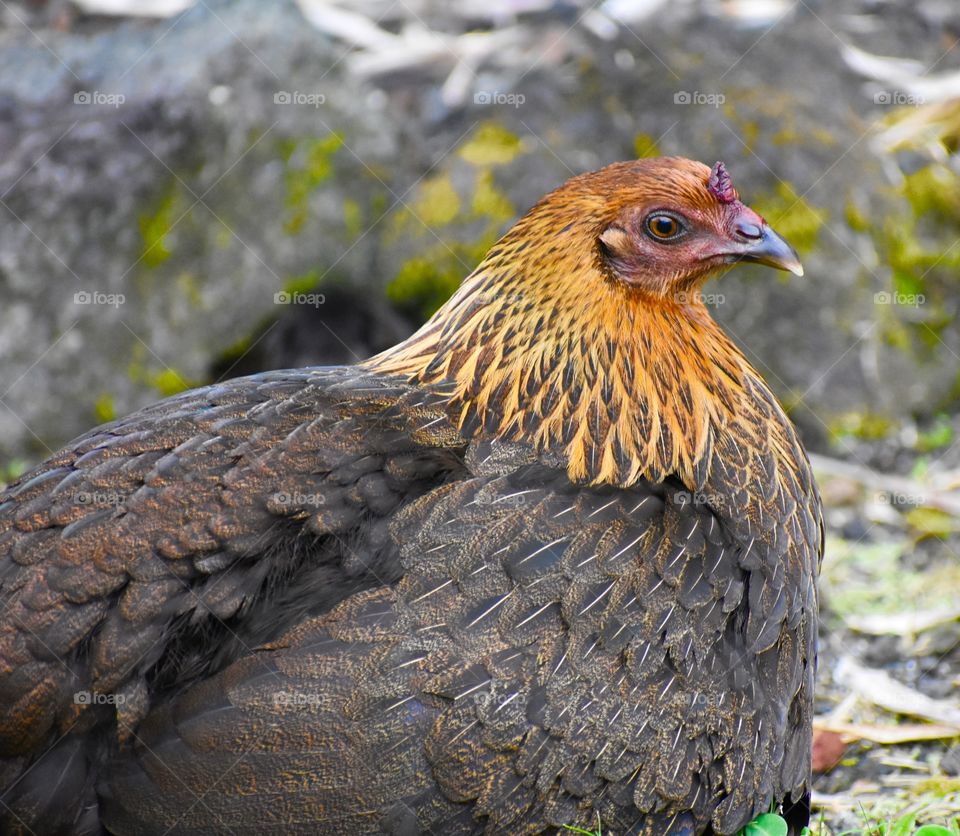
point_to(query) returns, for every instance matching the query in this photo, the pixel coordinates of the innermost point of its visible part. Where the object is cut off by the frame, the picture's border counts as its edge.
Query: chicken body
(552, 559)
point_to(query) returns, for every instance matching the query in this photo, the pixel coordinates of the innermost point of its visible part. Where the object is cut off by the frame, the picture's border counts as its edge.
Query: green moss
(236, 350)
(11, 471)
(895, 333)
(763, 112)
(750, 134)
(104, 409)
(469, 224)
(786, 136)
(940, 435)
(855, 217)
(953, 393)
(645, 145)
(900, 813)
(867, 426)
(933, 190)
(286, 148)
(155, 226)
(916, 242)
(792, 401)
(871, 578)
(908, 258)
(491, 144)
(936, 320)
(491, 202)
(425, 282)
(352, 217)
(933, 195)
(135, 366)
(792, 216)
(187, 285)
(378, 203)
(223, 236)
(304, 283)
(938, 786)
(437, 202)
(309, 164)
(932, 522)
(821, 134)
(423, 285)
(169, 382)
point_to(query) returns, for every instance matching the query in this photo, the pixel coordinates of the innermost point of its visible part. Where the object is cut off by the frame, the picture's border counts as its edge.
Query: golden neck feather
(540, 345)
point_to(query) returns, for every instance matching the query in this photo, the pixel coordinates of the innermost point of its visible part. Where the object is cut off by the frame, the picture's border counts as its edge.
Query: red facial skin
(712, 237)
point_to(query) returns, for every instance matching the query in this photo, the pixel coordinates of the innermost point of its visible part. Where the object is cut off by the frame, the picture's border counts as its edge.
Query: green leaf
(903, 826)
(768, 824)
(933, 830)
(931, 522)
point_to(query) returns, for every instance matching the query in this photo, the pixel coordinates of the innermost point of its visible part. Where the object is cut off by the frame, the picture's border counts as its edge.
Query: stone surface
(196, 167)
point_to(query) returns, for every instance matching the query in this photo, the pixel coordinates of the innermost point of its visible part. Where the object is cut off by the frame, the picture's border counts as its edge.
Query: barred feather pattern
(626, 388)
(612, 382)
(156, 550)
(554, 556)
(552, 653)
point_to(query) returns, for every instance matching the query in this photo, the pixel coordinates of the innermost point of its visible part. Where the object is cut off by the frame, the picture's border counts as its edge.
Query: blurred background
(198, 190)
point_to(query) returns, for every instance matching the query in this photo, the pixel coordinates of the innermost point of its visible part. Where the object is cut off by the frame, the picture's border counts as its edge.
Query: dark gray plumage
(377, 600)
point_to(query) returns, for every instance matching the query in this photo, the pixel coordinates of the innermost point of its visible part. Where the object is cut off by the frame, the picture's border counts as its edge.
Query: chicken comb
(720, 185)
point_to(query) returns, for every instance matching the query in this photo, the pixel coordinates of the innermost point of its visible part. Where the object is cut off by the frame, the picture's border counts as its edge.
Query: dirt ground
(889, 669)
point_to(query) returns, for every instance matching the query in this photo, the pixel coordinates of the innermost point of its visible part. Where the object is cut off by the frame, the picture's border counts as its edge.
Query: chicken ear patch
(616, 240)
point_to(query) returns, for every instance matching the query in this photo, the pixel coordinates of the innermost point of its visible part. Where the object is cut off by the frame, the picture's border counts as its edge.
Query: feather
(553, 556)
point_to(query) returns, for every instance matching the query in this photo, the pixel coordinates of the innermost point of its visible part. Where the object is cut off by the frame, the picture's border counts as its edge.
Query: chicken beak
(771, 249)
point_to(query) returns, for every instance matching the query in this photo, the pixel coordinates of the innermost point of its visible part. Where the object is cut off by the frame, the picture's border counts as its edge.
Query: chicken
(552, 559)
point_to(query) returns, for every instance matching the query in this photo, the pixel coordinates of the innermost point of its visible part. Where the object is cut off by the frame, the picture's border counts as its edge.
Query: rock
(950, 762)
(150, 173)
(162, 180)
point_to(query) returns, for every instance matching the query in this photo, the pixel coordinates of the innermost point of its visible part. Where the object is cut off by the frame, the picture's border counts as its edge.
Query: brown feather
(477, 599)
(656, 380)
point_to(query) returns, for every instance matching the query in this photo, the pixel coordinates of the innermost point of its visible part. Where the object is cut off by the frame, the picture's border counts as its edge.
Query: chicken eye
(663, 227)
